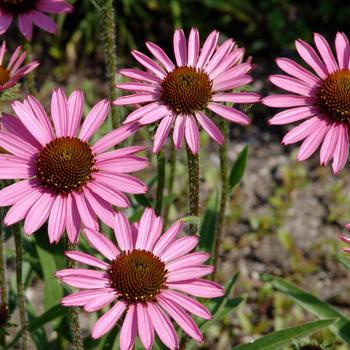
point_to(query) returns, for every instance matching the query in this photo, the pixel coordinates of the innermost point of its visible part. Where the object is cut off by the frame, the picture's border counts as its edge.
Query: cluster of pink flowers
(71, 184)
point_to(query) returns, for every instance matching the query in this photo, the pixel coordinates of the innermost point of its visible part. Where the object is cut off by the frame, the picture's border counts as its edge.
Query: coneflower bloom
(181, 94)
(321, 97)
(13, 71)
(147, 277)
(30, 12)
(65, 179)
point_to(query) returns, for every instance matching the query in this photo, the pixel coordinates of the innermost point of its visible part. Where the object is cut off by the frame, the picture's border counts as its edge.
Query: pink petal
(129, 329)
(162, 133)
(54, 6)
(180, 47)
(114, 137)
(44, 22)
(154, 233)
(38, 213)
(143, 111)
(286, 100)
(20, 209)
(86, 214)
(101, 243)
(187, 273)
(149, 64)
(3, 45)
(137, 87)
(120, 152)
(124, 164)
(163, 326)
(86, 281)
(15, 192)
(25, 25)
(122, 231)
(302, 131)
(179, 131)
(236, 97)
(14, 64)
(94, 119)
(180, 247)
(86, 259)
(233, 73)
(99, 275)
(187, 303)
(228, 83)
(145, 326)
(59, 112)
(208, 49)
(108, 320)
(155, 115)
(326, 53)
(73, 220)
(229, 113)
(181, 318)
(193, 48)
(12, 167)
(309, 55)
(199, 288)
(5, 22)
(292, 115)
(161, 56)
(101, 207)
(342, 47)
(192, 259)
(313, 141)
(231, 59)
(75, 111)
(167, 238)
(341, 151)
(100, 302)
(140, 75)
(57, 219)
(192, 134)
(297, 71)
(329, 143)
(222, 51)
(145, 228)
(81, 298)
(211, 129)
(291, 84)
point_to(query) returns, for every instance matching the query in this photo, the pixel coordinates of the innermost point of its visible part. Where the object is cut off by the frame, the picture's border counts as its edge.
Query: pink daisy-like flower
(66, 180)
(13, 72)
(148, 276)
(29, 12)
(180, 94)
(321, 97)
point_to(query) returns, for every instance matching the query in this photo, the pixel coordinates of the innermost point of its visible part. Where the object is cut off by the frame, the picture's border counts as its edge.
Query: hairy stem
(220, 222)
(171, 178)
(193, 186)
(108, 32)
(74, 314)
(3, 289)
(20, 286)
(160, 181)
(30, 77)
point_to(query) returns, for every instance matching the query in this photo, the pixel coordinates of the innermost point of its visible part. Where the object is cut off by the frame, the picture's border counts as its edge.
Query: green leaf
(238, 168)
(314, 305)
(190, 220)
(207, 229)
(142, 200)
(278, 339)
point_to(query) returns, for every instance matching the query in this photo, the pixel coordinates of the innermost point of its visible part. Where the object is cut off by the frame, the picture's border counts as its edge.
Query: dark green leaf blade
(238, 168)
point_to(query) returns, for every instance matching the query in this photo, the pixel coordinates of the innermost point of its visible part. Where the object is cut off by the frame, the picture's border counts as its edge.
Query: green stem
(20, 286)
(193, 186)
(171, 178)
(74, 314)
(3, 289)
(220, 222)
(160, 181)
(107, 19)
(30, 77)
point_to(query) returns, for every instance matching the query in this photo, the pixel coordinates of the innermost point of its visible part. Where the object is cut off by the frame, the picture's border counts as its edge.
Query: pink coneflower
(322, 98)
(181, 94)
(29, 12)
(13, 72)
(148, 277)
(66, 180)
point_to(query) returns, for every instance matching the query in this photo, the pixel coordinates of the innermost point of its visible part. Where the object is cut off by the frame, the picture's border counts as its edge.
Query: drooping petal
(211, 129)
(129, 329)
(81, 298)
(54, 6)
(15, 192)
(192, 134)
(100, 302)
(341, 151)
(5, 22)
(329, 143)
(57, 219)
(162, 132)
(229, 113)
(43, 21)
(73, 220)
(179, 131)
(25, 25)
(145, 326)
(87, 215)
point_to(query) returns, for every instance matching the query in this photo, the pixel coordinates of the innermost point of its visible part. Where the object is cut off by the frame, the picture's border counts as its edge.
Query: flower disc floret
(334, 96)
(18, 6)
(186, 90)
(65, 164)
(137, 276)
(4, 75)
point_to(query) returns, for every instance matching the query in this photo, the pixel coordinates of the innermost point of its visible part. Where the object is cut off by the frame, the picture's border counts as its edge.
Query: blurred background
(284, 217)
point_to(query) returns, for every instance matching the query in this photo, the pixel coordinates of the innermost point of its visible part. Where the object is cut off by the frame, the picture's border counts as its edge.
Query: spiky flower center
(186, 90)
(18, 6)
(65, 164)
(4, 75)
(334, 96)
(137, 276)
